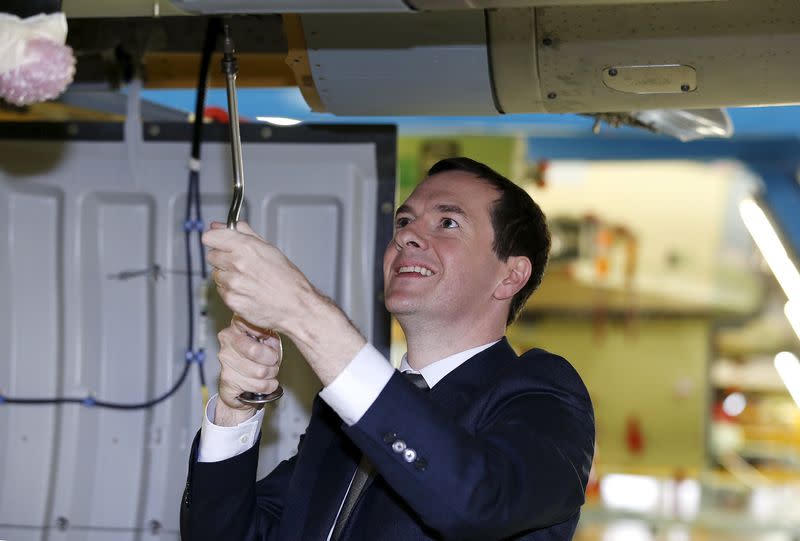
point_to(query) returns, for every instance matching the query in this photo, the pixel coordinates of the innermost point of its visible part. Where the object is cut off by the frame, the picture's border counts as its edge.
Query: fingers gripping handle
(257, 400)
(230, 69)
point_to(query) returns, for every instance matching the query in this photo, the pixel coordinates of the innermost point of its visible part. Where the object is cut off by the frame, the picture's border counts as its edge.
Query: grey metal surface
(289, 6)
(76, 215)
(400, 64)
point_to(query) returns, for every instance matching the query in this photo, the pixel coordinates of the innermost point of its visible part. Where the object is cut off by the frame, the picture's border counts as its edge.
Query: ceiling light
(788, 367)
(630, 492)
(771, 247)
(734, 404)
(279, 120)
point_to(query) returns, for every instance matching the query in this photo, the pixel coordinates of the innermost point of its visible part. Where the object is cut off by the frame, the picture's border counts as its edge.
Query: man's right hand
(249, 359)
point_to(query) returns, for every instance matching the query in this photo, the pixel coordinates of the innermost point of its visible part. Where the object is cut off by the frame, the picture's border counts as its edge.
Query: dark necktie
(364, 474)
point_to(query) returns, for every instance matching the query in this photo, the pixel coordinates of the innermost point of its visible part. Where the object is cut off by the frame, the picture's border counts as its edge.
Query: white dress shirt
(350, 395)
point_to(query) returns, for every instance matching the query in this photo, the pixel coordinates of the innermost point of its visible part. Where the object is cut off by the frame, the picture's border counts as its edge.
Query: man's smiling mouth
(415, 269)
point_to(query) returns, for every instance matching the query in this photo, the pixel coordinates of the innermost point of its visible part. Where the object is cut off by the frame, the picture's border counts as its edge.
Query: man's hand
(255, 279)
(249, 361)
(265, 289)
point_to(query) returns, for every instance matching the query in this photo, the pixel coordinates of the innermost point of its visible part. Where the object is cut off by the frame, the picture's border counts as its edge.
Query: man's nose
(410, 237)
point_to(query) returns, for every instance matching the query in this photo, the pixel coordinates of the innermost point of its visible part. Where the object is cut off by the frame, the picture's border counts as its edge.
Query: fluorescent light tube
(771, 247)
(788, 367)
(279, 120)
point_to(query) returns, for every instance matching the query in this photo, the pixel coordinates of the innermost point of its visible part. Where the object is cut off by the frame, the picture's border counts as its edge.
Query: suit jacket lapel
(455, 391)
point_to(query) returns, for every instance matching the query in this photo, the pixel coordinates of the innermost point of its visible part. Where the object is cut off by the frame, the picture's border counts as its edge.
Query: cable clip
(193, 225)
(2, 399)
(198, 356)
(88, 402)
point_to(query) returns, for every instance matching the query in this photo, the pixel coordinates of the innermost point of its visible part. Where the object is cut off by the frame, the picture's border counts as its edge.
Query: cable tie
(198, 356)
(193, 225)
(194, 165)
(88, 401)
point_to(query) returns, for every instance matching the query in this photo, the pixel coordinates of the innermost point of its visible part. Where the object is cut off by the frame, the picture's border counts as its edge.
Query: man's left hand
(254, 278)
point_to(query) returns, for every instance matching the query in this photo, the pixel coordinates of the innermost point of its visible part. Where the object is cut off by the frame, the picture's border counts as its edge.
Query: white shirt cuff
(219, 443)
(358, 385)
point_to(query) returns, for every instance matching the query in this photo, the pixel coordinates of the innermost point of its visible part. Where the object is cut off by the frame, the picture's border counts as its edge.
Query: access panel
(93, 278)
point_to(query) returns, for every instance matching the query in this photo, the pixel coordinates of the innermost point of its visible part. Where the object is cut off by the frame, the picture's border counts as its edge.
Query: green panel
(653, 370)
(416, 154)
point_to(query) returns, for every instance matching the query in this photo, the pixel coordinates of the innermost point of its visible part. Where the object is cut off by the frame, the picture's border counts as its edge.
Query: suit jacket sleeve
(522, 463)
(221, 500)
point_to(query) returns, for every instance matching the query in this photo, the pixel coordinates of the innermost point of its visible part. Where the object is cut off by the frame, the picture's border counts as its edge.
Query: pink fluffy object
(46, 72)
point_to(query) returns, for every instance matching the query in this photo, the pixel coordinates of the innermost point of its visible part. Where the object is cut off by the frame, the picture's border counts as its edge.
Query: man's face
(440, 264)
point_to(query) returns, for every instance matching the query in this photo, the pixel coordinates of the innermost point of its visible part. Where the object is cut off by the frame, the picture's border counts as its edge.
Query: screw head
(62, 523)
(612, 72)
(547, 42)
(552, 96)
(154, 526)
(685, 87)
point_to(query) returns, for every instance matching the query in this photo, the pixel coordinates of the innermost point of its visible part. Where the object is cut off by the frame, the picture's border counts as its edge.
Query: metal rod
(230, 68)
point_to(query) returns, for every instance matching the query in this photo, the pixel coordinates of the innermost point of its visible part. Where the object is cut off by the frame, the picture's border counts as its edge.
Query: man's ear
(517, 273)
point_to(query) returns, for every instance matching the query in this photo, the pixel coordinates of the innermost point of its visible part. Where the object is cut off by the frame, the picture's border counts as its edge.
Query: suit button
(420, 463)
(410, 455)
(399, 446)
(389, 437)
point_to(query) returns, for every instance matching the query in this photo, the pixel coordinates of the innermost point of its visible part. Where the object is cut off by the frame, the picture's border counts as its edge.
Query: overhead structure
(456, 57)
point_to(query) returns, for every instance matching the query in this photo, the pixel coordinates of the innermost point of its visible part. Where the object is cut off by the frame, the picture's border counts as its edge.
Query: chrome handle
(230, 68)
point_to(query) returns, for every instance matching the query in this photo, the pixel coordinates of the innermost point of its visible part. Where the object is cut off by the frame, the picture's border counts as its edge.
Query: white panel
(31, 316)
(20, 534)
(108, 208)
(116, 237)
(308, 230)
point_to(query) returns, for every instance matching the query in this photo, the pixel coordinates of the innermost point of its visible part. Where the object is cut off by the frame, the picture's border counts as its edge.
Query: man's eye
(449, 223)
(402, 222)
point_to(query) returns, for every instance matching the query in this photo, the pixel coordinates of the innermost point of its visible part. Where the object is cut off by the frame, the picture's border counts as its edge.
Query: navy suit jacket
(502, 448)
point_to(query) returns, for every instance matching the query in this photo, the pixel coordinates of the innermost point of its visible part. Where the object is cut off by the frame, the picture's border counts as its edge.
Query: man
(498, 448)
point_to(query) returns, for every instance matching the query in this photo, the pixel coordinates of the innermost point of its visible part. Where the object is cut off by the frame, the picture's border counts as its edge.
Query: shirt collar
(435, 372)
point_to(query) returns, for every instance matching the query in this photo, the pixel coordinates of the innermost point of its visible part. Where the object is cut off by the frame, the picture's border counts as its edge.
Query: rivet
(547, 42)
(154, 130)
(387, 207)
(155, 527)
(552, 96)
(612, 72)
(62, 523)
(685, 87)
(265, 133)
